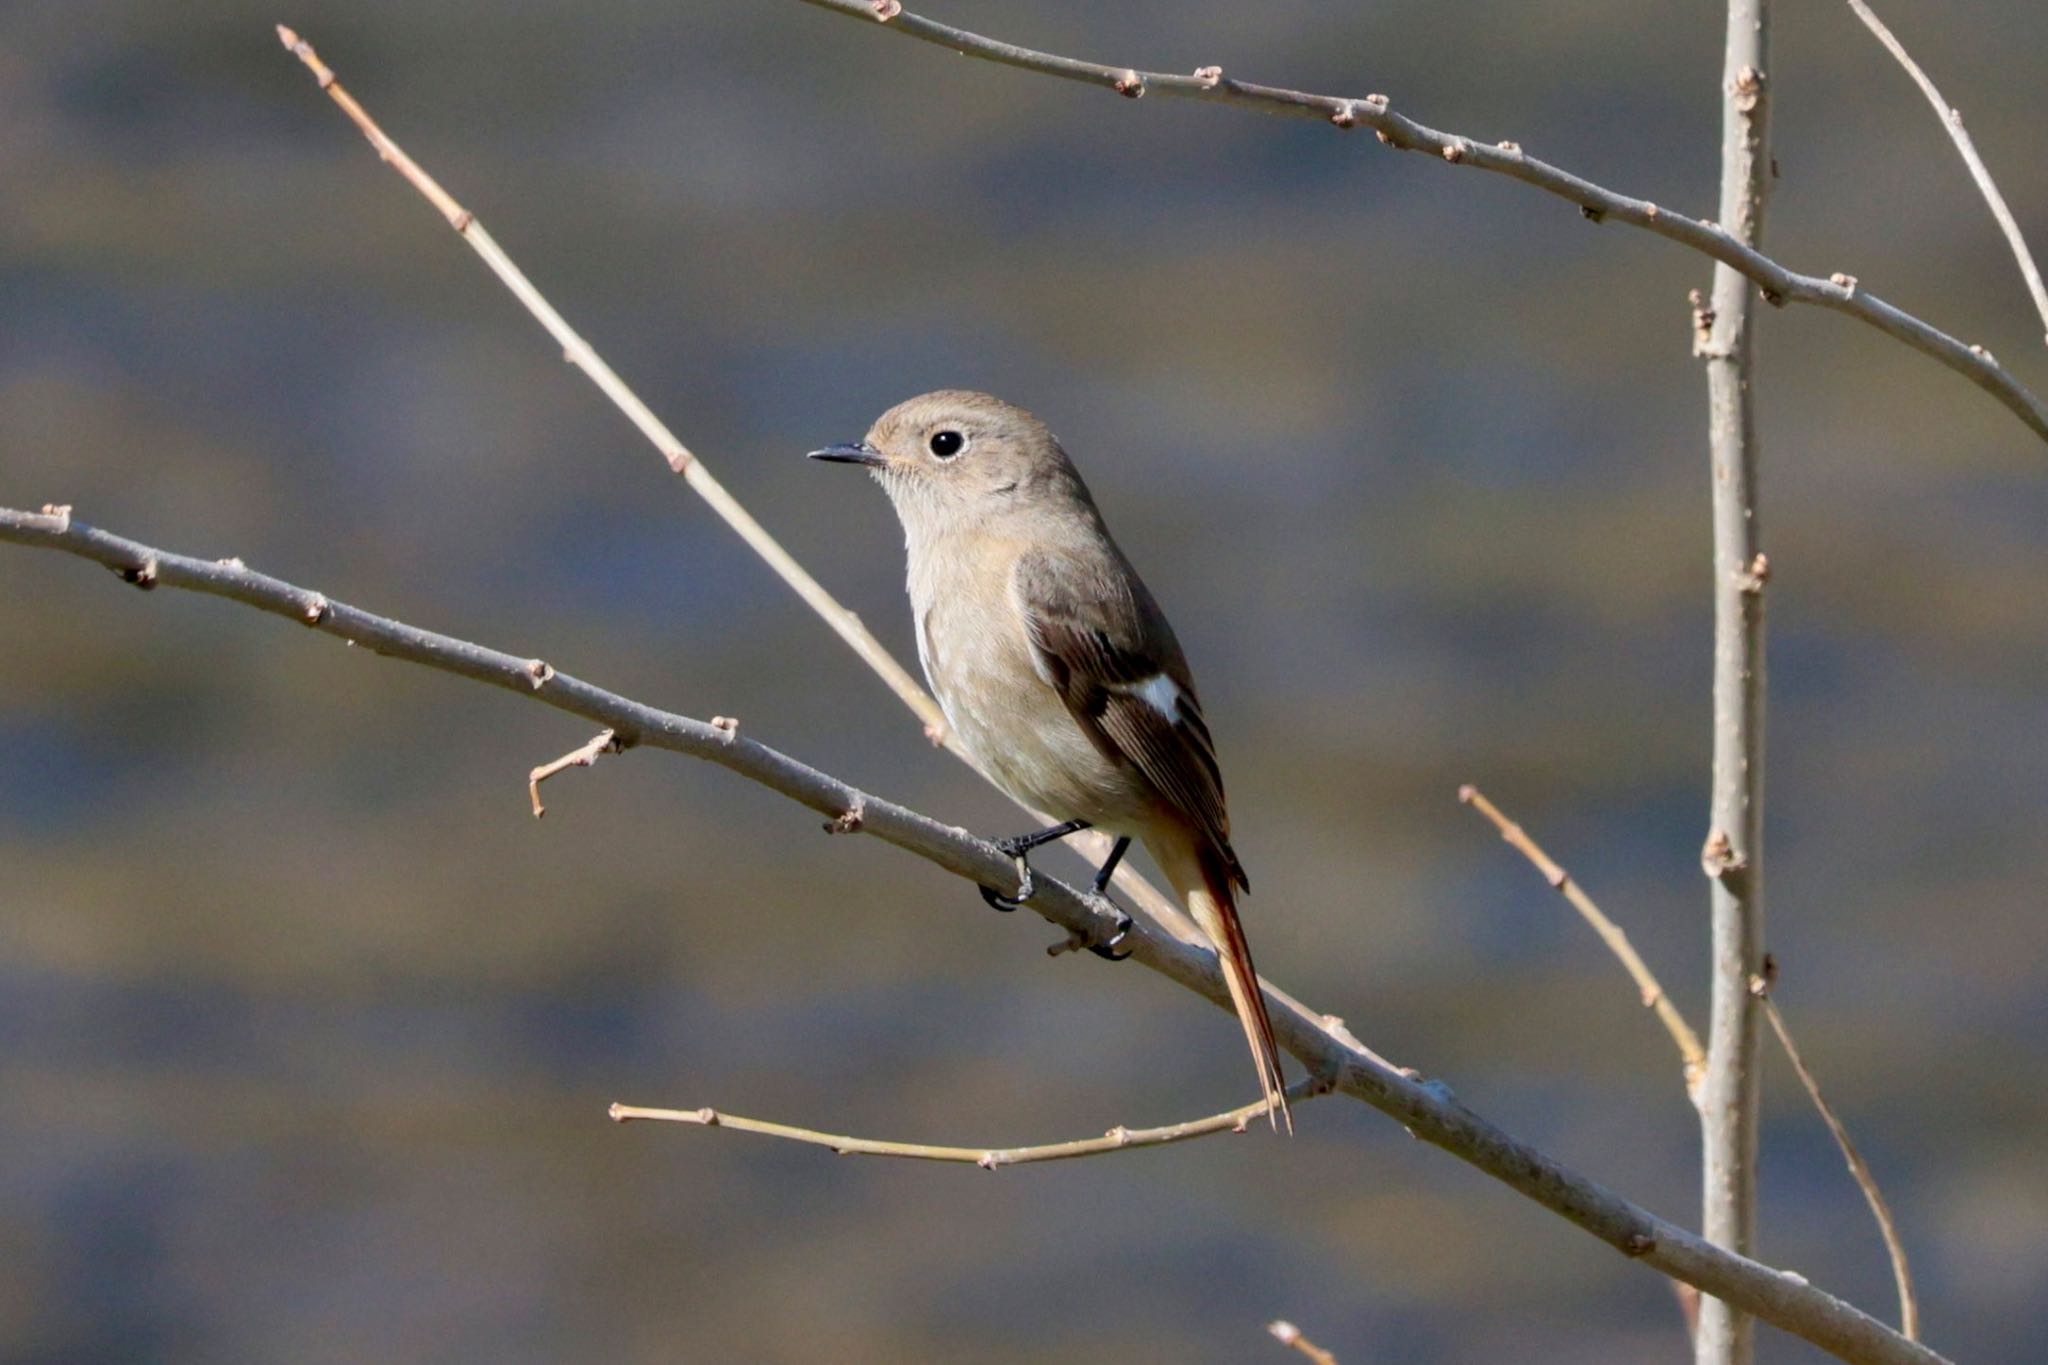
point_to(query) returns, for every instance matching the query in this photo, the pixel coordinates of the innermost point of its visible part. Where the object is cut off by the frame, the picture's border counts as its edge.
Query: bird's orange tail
(1202, 882)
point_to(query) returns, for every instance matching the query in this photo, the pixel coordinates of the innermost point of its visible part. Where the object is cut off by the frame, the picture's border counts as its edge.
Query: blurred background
(307, 1028)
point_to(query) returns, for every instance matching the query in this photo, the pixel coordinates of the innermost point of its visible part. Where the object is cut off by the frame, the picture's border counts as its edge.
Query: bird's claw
(997, 900)
(1107, 950)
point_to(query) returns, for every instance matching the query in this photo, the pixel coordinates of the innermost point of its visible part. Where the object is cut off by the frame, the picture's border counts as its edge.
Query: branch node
(1454, 152)
(1593, 213)
(462, 221)
(1773, 297)
(1650, 211)
(1846, 281)
(1209, 75)
(937, 734)
(231, 562)
(729, 726)
(1345, 115)
(1386, 139)
(1130, 85)
(1985, 356)
(1718, 858)
(142, 575)
(1511, 148)
(1748, 88)
(316, 609)
(1638, 1244)
(852, 819)
(539, 673)
(885, 10)
(1751, 580)
(1702, 324)
(1381, 102)
(59, 512)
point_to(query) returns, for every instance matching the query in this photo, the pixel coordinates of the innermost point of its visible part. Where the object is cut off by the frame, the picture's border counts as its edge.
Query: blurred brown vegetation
(306, 1027)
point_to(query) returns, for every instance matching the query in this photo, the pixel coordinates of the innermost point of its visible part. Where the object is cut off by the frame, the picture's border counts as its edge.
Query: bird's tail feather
(1203, 881)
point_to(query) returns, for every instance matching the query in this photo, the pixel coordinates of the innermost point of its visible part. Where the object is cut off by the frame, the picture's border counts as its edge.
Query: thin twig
(1689, 1046)
(1895, 1248)
(1952, 122)
(1117, 1139)
(582, 756)
(1690, 1053)
(1092, 844)
(1427, 1110)
(1287, 1334)
(1840, 292)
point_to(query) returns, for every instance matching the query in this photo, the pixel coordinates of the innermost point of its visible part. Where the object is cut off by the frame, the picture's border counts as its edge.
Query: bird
(1056, 668)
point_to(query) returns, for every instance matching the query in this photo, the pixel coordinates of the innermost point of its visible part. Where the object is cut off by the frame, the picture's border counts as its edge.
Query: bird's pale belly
(1021, 734)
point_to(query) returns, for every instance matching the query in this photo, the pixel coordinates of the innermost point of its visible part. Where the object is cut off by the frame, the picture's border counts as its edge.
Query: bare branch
(1952, 122)
(1427, 1110)
(1689, 1047)
(1839, 292)
(1092, 844)
(1895, 1248)
(1728, 1097)
(1691, 1054)
(1117, 1139)
(1287, 1334)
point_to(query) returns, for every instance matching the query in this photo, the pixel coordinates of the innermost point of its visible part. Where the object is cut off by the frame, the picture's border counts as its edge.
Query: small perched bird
(1056, 669)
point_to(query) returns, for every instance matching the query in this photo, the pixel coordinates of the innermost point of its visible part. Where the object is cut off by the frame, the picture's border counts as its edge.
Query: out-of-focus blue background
(306, 1027)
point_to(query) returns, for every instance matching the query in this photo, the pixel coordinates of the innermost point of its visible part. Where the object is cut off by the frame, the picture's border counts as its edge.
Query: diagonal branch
(1427, 1110)
(1117, 1139)
(1859, 1169)
(686, 463)
(1839, 292)
(1690, 1053)
(1952, 122)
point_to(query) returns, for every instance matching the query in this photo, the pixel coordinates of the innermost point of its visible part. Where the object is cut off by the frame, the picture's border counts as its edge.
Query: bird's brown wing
(1103, 644)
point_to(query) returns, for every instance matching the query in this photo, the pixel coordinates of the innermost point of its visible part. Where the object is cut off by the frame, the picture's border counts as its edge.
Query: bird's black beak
(851, 452)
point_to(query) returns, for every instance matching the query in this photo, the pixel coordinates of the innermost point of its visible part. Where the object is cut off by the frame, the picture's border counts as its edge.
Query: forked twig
(1952, 123)
(582, 756)
(1902, 1271)
(1689, 1044)
(1117, 1139)
(1613, 935)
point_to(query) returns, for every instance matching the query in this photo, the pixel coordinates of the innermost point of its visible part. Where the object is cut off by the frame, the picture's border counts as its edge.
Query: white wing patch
(1159, 692)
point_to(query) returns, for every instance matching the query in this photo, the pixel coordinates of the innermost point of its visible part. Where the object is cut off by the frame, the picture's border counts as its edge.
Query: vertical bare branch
(1733, 855)
(1952, 122)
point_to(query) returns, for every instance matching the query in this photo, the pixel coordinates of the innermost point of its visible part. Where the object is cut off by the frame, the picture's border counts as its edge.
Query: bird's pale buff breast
(980, 663)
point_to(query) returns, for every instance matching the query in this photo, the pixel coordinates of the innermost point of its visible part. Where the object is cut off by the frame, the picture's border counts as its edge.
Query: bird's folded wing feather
(1103, 645)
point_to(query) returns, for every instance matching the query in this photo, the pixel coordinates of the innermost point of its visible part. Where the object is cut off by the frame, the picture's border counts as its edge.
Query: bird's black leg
(1017, 847)
(1107, 950)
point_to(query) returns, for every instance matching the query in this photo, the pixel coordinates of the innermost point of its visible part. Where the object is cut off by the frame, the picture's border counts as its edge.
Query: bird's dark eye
(946, 444)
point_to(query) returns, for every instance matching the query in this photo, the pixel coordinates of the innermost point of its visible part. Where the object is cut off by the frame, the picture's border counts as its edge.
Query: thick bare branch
(1118, 1139)
(1952, 123)
(1427, 1110)
(1839, 292)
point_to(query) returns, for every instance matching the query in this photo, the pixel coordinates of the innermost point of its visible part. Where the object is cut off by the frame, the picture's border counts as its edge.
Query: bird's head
(953, 459)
